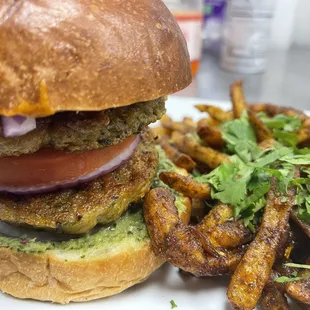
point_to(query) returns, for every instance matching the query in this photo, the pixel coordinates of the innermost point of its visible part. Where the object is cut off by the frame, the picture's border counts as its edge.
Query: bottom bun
(48, 278)
(85, 270)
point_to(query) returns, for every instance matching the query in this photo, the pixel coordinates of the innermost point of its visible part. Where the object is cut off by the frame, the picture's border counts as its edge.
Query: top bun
(78, 55)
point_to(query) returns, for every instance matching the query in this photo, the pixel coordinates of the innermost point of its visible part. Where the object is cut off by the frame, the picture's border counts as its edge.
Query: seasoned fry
(192, 147)
(302, 224)
(254, 270)
(272, 110)
(198, 210)
(180, 159)
(273, 298)
(267, 144)
(211, 135)
(161, 132)
(211, 121)
(304, 136)
(238, 99)
(220, 214)
(189, 122)
(215, 112)
(262, 132)
(183, 127)
(228, 235)
(181, 245)
(300, 290)
(186, 185)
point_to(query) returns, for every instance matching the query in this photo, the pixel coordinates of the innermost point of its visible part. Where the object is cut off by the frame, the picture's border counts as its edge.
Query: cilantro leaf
(240, 137)
(297, 159)
(173, 304)
(281, 121)
(287, 138)
(285, 279)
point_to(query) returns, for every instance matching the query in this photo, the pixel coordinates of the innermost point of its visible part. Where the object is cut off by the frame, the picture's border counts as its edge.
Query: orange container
(191, 26)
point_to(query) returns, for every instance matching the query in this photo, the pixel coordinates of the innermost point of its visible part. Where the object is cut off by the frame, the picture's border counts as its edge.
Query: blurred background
(266, 43)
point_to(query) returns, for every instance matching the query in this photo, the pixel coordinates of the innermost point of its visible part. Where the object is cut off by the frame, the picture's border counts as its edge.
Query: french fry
(215, 113)
(210, 135)
(179, 244)
(266, 144)
(273, 298)
(161, 132)
(238, 99)
(222, 231)
(211, 121)
(192, 147)
(183, 127)
(262, 132)
(300, 290)
(304, 136)
(254, 269)
(189, 122)
(302, 224)
(228, 235)
(272, 110)
(186, 185)
(198, 210)
(180, 159)
(220, 214)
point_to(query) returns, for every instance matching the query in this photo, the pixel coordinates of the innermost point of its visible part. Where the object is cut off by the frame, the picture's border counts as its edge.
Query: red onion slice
(17, 125)
(110, 166)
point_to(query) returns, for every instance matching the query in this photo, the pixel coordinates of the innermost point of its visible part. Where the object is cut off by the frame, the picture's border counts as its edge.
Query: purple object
(214, 9)
(214, 14)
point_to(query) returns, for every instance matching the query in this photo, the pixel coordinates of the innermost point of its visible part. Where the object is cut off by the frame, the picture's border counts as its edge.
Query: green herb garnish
(173, 304)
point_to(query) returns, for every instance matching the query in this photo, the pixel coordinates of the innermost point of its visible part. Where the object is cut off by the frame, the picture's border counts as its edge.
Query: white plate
(164, 285)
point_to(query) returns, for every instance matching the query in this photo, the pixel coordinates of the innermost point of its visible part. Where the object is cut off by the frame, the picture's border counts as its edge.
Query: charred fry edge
(177, 242)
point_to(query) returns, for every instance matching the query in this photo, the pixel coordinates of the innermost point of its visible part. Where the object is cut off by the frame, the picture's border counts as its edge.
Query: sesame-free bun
(64, 276)
(78, 55)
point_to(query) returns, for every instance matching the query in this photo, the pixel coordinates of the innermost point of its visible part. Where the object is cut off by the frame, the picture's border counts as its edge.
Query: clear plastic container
(247, 33)
(189, 15)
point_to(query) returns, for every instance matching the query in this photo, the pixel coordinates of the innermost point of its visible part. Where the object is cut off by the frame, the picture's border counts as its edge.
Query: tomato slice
(48, 166)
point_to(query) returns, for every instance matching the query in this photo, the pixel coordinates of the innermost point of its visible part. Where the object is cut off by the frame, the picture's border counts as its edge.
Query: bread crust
(52, 277)
(81, 55)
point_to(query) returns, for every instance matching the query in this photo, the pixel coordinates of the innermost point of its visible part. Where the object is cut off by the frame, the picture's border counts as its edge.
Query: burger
(80, 83)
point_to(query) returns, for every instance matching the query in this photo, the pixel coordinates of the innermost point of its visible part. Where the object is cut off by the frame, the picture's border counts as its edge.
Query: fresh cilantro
(301, 266)
(240, 138)
(280, 121)
(297, 159)
(285, 279)
(249, 214)
(303, 151)
(287, 138)
(260, 191)
(283, 127)
(294, 277)
(173, 304)
(245, 181)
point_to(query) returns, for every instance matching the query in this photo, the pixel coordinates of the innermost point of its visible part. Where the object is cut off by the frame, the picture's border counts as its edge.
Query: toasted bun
(87, 55)
(58, 278)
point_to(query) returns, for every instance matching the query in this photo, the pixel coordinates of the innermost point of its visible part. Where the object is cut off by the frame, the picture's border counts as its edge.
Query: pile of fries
(217, 242)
